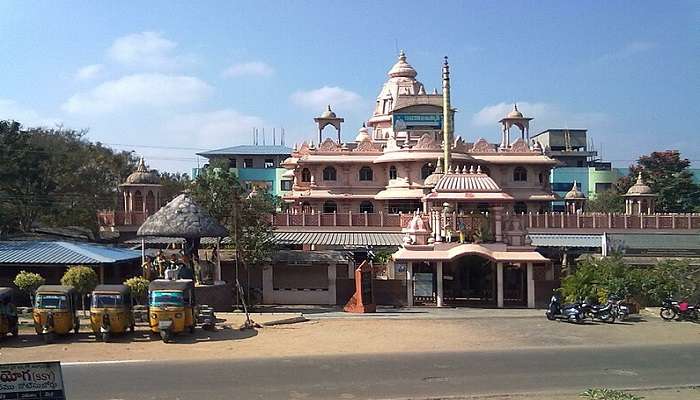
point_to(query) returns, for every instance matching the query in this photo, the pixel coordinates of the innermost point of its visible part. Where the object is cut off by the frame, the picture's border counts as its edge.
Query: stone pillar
(497, 212)
(530, 286)
(409, 284)
(126, 202)
(268, 288)
(499, 285)
(440, 290)
(331, 284)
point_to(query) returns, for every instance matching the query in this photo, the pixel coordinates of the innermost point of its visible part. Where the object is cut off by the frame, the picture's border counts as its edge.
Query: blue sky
(171, 74)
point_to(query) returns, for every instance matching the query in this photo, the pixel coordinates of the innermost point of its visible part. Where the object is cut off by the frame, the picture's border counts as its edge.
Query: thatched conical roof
(182, 217)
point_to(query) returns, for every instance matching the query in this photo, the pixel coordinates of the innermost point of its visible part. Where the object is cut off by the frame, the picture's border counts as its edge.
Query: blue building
(255, 165)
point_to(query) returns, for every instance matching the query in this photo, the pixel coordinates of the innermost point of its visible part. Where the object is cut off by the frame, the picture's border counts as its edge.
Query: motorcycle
(566, 312)
(603, 313)
(670, 309)
(619, 310)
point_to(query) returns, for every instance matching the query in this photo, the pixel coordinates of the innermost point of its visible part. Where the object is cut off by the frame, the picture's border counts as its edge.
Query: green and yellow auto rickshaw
(171, 307)
(111, 311)
(8, 313)
(54, 311)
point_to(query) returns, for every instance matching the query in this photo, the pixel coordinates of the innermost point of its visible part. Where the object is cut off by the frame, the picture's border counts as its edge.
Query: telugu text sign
(42, 380)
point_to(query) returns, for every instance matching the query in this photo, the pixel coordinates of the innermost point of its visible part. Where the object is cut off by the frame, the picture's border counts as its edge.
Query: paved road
(389, 376)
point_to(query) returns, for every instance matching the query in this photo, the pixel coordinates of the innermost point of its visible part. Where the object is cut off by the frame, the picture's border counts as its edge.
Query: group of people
(177, 267)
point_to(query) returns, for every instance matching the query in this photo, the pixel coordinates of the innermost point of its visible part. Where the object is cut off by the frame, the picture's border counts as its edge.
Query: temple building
(453, 198)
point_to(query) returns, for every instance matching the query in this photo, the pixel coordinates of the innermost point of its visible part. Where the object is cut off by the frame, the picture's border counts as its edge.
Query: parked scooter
(603, 313)
(619, 310)
(670, 309)
(566, 312)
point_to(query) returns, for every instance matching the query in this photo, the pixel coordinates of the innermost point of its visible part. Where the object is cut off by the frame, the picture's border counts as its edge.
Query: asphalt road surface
(389, 376)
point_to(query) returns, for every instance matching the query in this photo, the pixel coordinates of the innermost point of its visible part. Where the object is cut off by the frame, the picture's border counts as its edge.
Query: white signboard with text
(41, 380)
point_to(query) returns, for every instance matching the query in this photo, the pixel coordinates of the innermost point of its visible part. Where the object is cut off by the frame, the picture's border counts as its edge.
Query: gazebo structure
(575, 199)
(640, 198)
(184, 218)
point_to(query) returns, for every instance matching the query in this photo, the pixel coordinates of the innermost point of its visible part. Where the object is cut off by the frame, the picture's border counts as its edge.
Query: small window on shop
(286, 184)
(269, 163)
(247, 163)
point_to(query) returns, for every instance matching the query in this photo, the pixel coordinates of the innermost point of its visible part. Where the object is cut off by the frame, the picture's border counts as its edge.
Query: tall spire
(446, 115)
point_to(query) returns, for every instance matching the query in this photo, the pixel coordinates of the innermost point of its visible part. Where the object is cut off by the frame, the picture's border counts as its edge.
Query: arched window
(520, 174)
(392, 172)
(366, 207)
(366, 174)
(305, 175)
(520, 208)
(330, 207)
(426, 170)
(329, 174)
(150, 202)
(137, 202)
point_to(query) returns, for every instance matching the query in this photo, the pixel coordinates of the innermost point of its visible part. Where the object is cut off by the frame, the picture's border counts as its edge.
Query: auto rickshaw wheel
(105, 337)
(165, 335)
(48, 338)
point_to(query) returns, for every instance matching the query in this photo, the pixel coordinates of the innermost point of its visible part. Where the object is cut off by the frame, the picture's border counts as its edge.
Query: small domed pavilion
(142, 191)
(640, 198)
(575, 199)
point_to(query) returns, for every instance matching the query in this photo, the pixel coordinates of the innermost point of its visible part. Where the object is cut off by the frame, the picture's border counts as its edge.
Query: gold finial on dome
(515, 113)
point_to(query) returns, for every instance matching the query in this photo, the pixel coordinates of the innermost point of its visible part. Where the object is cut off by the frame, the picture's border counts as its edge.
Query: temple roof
(466, 182)
(142, 176)
(640, 188)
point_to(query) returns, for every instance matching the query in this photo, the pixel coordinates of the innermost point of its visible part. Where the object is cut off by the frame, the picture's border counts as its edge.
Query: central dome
(402, 69)
(142, 176)
(515, 113)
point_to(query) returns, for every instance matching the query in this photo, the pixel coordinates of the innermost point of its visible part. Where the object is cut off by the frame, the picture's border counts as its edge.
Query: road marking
(74, 363)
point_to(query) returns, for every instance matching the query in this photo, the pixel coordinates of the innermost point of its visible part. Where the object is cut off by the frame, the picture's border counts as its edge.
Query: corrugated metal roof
(248, 150)
(563, 240)
(340, 238)
(466, 182)
(43, 252)
(671, 241)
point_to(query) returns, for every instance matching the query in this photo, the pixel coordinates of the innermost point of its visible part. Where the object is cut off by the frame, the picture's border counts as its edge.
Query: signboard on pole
(407, 122)
(41, 380)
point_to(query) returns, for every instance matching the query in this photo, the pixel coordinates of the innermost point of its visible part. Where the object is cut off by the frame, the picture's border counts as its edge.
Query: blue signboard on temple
(407, 122)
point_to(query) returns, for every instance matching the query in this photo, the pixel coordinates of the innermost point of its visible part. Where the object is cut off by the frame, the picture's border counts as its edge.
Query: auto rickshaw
(8, 313)
(171, 307)
(111, 311)
(54, 311)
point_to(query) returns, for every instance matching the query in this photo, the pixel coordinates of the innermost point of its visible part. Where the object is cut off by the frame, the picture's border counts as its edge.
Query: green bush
(83, 279)
(29, 282)
(139, 288)
(608, 394)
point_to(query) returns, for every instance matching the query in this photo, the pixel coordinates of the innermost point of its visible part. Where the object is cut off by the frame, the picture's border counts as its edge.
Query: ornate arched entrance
(470, 280)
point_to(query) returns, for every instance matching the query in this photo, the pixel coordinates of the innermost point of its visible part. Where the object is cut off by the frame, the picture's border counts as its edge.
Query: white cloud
(213, 128)
(89, 72)
(629, 50)
(147, 50)
(252, 68)
(318, 99)
(12, 110)
(149, 90)
(545, 115)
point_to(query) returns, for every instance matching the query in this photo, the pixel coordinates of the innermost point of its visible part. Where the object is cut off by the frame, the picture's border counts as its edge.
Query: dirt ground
(348, 336)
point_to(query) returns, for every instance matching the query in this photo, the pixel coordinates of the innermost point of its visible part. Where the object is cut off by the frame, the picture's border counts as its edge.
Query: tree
(83, 279)
(139, 288)
(670, 177)
(217, 189)
(29, 282)
(609, 201)
(174, 183)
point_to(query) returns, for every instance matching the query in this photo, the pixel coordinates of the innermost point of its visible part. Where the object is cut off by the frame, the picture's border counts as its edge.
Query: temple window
(329, 174)
(520, 208)
(305, 175)
(330, 207)
(138, 201)
(366, 207)
(520, 174)
(392, 172)
(366, 174)
(425, 171)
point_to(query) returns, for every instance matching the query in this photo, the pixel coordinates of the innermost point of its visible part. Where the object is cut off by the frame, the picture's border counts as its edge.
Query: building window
(602, 187)
(366, 207)
(392, 172)
(269, 163)
(403, 206)
(366, 174)
(305, 175)
(425, 171)
(520, 174)
(520, 208)
(137, 202)
(329, 174)
(564, 186)
(232, 163)
(330, 207)
(247, 163)
(286, 184)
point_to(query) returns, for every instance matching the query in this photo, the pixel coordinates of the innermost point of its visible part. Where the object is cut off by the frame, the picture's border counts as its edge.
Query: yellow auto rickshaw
(171, 307)
(8, 313)
(111, 311)
(54, 311)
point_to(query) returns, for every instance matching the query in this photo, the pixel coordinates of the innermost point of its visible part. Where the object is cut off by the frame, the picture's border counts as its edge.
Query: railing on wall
(121, 218)
(376, 220)
(606, 221)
